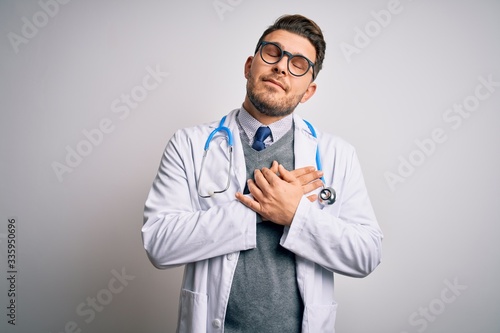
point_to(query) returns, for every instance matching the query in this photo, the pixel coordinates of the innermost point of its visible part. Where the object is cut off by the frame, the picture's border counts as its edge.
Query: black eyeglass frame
(283, 53)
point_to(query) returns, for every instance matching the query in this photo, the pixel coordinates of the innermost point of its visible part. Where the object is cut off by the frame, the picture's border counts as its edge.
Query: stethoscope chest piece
(327, 196)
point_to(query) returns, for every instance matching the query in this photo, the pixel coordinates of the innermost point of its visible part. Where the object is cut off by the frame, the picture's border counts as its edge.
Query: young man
(260, 250)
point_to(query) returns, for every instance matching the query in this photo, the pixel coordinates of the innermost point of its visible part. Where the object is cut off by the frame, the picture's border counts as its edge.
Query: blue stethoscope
(326, 196)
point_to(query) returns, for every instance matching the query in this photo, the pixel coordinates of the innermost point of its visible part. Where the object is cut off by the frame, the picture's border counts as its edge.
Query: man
(260, 251)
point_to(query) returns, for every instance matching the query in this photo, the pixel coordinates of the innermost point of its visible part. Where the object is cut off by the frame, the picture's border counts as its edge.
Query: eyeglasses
(272, 53)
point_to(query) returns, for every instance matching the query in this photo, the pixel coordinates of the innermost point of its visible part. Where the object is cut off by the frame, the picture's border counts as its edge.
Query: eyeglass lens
(297, 64)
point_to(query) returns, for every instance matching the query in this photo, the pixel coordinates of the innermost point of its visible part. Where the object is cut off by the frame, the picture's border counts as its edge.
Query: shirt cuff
(299, 219)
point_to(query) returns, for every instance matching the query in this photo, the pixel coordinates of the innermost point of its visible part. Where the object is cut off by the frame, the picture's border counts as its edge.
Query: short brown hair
(304, 27)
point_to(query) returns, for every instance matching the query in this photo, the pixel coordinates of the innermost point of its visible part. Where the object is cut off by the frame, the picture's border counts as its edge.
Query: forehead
(292, 43)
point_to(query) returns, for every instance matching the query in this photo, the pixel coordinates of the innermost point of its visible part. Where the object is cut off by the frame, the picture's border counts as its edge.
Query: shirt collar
(249, 125)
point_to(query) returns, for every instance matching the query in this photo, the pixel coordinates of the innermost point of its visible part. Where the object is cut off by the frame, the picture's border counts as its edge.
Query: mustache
(276, 78)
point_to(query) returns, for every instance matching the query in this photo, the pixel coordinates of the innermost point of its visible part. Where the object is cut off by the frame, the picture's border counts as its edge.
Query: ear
(309, 92)
(248, 66)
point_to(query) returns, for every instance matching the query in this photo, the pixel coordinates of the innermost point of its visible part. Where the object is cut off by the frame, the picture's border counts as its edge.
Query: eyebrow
(280, 45)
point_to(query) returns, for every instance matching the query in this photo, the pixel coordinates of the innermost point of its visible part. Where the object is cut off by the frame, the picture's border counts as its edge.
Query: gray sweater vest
(264, 294)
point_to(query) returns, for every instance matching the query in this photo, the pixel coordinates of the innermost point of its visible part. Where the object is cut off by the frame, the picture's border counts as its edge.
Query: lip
(277, 83)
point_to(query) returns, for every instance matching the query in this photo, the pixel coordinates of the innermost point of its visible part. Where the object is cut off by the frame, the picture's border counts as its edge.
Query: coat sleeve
(349, 243)
(176, 230)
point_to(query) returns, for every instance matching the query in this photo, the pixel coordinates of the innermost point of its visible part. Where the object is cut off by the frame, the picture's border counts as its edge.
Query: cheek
(300, 89)
(258, 69)
(250, 73)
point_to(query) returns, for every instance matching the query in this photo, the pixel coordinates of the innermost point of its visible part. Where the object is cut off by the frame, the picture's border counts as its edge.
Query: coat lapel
(305, 145)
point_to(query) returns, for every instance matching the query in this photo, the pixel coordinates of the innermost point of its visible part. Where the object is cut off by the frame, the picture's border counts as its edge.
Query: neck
(262, 118)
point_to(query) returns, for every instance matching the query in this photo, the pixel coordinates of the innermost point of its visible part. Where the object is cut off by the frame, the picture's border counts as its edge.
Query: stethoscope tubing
(327, 194)
(218, 129)
(318, 158)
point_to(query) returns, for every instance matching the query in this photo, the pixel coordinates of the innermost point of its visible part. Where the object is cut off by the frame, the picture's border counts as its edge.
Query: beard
(266, 102)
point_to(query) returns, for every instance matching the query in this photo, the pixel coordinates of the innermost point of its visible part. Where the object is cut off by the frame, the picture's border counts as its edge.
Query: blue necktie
(262, 133)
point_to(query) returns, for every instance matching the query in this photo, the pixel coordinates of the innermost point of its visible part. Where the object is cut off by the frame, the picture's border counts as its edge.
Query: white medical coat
(207, 234)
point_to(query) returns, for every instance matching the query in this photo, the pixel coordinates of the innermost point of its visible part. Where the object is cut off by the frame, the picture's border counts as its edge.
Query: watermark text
(30, 27)
(454, 117)
(94, 137)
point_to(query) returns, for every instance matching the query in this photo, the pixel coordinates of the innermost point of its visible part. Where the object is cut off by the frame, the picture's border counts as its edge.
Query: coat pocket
(193, 312)
(319, 318)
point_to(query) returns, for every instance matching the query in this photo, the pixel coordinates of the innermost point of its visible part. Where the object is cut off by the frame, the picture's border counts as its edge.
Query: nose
(281, 66)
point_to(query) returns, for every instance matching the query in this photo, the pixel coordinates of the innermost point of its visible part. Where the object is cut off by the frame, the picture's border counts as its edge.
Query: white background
(76, 230)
